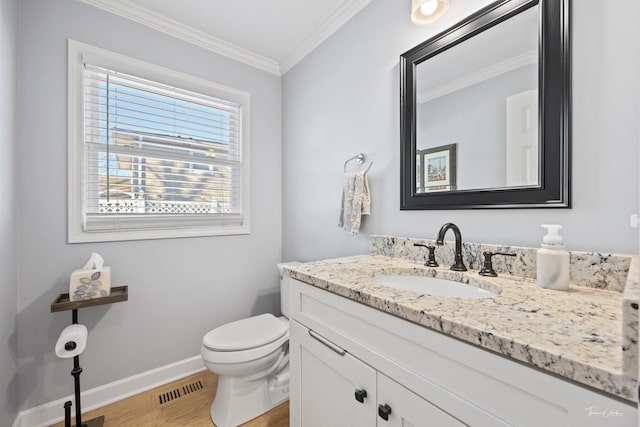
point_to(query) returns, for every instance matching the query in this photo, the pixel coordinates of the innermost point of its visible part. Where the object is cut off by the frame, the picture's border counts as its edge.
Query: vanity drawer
(479, 387)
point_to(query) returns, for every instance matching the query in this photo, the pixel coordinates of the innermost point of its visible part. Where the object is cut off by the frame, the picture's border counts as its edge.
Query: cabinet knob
(360, 395)
(384, 411)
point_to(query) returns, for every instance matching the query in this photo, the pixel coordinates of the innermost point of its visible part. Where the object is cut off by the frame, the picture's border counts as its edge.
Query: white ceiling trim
(199, 38)
(527, 58)
(189, 34)
(336, 20)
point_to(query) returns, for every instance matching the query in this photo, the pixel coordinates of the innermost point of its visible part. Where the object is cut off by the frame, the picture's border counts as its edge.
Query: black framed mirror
(485, 111)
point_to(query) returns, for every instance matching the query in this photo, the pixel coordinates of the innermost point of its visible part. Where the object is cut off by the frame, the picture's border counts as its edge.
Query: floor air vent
(178, 392)
(191, 387)
(169, 396)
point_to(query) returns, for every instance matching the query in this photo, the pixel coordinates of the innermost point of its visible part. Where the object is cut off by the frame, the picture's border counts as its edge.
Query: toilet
(251, 358)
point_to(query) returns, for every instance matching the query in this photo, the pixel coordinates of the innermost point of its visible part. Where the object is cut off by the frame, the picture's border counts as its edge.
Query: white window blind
(156, 156)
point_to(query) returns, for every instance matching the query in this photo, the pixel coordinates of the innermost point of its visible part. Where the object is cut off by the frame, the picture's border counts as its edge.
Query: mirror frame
(554, 92)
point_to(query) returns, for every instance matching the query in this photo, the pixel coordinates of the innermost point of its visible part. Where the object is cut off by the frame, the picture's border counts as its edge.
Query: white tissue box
(89, 284)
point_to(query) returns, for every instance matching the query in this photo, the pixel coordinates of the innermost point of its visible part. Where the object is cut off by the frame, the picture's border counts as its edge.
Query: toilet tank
(284, 289)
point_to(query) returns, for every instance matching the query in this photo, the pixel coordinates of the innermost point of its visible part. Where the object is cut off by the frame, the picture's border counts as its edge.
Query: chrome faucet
(458, 263)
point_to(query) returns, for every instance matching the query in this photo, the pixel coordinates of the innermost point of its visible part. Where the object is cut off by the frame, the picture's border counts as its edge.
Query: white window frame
(76, 155)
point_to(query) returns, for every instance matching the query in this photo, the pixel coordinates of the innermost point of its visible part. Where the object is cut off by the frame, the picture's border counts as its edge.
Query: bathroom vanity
(367, 354)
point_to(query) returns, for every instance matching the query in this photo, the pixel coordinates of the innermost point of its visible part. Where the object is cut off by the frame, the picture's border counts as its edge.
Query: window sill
(79, 236)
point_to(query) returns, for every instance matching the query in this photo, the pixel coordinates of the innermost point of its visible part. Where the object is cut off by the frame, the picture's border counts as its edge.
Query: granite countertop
(576, 334)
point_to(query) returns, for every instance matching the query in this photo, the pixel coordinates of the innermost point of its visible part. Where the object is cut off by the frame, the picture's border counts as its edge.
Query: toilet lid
(244, 334)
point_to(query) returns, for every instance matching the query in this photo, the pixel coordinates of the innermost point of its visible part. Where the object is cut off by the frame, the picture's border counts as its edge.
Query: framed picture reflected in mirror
(436, 169)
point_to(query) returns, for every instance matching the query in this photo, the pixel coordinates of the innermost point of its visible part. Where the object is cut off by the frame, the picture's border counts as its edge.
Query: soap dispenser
(553, 260)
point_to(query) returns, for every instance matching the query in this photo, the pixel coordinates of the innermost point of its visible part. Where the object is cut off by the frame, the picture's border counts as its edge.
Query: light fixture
(426, 11)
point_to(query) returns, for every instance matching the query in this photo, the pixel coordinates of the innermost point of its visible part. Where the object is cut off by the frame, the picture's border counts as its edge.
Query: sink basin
(434, 286)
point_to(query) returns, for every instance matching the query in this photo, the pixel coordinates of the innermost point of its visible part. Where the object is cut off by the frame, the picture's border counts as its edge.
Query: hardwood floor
(182, 403)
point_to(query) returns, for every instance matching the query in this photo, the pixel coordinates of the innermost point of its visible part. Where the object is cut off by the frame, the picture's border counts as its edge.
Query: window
(153, 153)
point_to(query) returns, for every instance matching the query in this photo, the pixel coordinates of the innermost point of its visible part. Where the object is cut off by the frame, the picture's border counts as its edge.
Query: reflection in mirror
(477, 111)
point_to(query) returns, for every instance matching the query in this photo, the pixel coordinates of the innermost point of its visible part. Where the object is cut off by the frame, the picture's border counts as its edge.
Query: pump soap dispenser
(553, 260)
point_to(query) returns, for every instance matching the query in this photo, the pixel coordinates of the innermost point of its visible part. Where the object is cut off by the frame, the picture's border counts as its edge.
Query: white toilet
(251, 358)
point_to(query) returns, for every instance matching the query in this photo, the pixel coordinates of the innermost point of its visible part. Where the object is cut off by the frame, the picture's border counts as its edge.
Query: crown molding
(186, 33)
(527, 58)
(199, 38)
(336, 20)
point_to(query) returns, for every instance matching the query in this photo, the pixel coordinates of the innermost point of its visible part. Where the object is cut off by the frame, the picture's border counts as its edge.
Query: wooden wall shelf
(117, 294)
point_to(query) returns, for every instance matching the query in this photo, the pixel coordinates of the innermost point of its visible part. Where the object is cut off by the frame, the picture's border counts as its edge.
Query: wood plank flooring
(162, 406)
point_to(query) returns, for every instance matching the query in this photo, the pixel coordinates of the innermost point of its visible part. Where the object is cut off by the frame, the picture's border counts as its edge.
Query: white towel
(356, 201)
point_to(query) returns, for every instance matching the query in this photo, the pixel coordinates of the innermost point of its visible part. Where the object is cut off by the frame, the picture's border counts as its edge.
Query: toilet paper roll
(72, 341)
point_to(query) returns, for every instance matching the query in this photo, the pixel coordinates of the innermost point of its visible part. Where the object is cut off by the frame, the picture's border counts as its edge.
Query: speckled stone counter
(588, 269)
(576, 334)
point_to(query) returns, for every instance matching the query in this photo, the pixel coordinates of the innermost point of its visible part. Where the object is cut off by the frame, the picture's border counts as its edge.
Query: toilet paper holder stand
(63, 303)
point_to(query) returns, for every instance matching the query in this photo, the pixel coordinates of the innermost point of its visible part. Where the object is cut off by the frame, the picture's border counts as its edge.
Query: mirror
(485, 111)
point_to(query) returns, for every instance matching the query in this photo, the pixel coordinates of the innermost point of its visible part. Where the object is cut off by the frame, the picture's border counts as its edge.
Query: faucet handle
(431, 257)
(487, 266)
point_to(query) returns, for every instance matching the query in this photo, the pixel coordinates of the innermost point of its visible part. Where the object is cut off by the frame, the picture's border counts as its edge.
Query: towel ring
(361, 157)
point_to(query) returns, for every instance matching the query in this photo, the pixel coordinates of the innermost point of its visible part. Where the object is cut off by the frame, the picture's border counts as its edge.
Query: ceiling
(271, 35)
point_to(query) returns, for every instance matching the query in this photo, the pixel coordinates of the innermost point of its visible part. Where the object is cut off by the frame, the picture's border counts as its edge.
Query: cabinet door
(403, 408)
(331, 384)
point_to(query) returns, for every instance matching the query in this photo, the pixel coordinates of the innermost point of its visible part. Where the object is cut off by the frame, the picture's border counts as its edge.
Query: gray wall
(179, 288)
(344, 98)
(8, 212)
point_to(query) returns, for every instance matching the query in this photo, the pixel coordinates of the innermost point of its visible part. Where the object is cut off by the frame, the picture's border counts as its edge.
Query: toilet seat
(245, 340)
(242, 356)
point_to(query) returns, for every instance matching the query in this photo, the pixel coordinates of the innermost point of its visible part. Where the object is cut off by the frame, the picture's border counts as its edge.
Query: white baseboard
(53, 412)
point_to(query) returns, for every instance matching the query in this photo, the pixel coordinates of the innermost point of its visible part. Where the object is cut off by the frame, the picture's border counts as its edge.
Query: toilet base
(239, 400)
(279, 387)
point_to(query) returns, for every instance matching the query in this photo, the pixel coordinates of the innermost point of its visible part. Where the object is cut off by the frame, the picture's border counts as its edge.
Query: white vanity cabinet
(407, 408)
(334, 388)
(339, 347)
(328, 380)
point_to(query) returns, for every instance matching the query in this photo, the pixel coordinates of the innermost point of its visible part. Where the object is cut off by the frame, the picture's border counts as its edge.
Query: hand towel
(356, 201)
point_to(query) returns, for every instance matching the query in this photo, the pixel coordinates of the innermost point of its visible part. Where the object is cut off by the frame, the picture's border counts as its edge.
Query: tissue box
(89, 284)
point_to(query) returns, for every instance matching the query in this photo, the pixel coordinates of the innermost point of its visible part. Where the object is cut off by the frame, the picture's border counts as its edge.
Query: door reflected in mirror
(477, 111)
